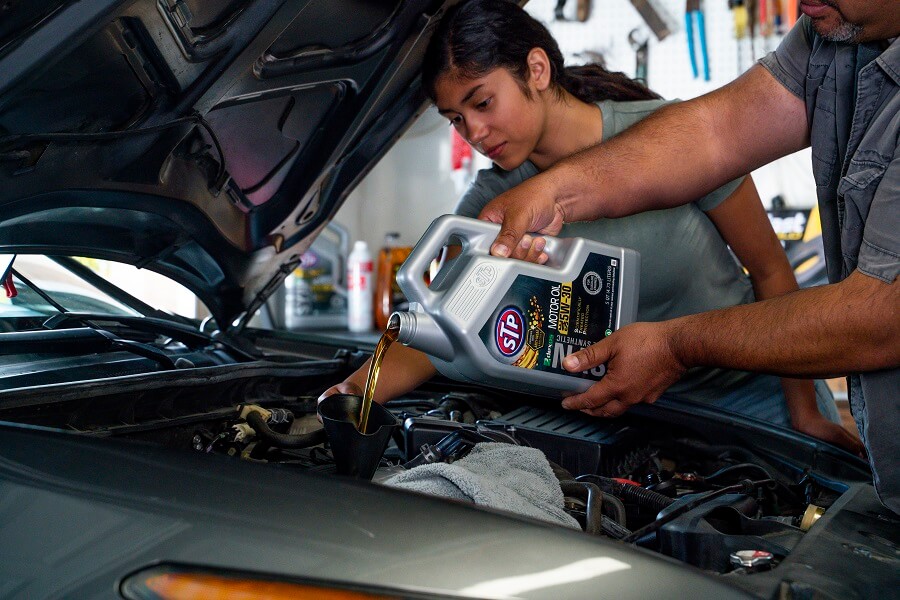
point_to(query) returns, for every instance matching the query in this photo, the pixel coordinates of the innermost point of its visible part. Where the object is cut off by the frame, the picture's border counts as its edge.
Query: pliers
(692, 9)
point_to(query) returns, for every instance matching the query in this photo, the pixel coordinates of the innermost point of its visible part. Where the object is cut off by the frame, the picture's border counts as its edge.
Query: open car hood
(207, 140)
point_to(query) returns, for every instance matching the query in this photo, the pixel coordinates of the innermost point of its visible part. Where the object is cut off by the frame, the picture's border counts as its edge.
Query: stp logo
(510, 331)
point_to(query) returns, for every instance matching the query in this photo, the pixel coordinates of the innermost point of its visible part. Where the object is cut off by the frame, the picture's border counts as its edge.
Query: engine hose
(561, 473)
(744, 487)
(613, 529)
(616, 507)
(632, 493)
(593, 497)
(731, 469)
(283, 440)
(745, 456)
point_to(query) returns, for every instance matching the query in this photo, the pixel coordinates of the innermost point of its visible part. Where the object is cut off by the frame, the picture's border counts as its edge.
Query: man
(833, 84)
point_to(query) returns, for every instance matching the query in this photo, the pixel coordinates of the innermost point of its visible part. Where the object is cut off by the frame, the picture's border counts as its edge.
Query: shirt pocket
(823, 129)
(856, 191)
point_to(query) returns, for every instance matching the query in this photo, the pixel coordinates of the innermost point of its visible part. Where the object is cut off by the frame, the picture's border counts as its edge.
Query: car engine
(694, 496)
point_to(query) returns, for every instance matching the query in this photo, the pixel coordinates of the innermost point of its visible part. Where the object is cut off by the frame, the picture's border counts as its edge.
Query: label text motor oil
(509, 323)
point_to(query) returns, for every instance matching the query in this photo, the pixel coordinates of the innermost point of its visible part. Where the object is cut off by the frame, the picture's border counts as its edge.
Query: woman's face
(493, 114)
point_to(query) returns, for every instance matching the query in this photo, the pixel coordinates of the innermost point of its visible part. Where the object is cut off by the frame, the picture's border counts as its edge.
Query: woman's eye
(483, 104)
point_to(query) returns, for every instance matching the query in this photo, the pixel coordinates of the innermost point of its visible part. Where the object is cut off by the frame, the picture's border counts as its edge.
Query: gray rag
(502, 476)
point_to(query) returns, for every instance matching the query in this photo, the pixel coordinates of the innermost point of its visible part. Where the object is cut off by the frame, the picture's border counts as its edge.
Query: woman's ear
(539, 70)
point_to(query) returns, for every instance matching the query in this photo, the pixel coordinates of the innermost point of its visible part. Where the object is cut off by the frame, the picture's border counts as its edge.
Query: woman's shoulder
(620, 115)
(638, 106)
(490, 183)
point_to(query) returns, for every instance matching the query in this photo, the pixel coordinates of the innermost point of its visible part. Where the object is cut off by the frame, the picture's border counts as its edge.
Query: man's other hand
(640, 366)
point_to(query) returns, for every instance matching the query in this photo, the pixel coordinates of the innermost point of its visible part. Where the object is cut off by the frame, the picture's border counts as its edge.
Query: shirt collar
(889, 60)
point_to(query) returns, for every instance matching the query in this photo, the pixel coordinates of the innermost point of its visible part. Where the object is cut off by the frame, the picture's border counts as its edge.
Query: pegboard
(669, 68)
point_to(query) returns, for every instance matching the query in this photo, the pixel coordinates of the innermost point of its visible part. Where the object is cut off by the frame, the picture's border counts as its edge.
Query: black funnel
(356, 454)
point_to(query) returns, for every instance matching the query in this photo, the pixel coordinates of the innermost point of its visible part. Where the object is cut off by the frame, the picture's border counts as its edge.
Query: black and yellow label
(539, 322)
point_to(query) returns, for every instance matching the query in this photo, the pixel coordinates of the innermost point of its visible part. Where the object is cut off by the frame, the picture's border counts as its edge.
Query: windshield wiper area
(64, 320)
(192, 338)
(83, 339)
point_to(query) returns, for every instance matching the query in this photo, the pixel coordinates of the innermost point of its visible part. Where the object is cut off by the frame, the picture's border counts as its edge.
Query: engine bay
(705, 498)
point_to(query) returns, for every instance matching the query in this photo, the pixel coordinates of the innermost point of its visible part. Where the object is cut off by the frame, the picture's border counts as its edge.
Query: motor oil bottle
(509, 323)
(315, 295)
(388, 296)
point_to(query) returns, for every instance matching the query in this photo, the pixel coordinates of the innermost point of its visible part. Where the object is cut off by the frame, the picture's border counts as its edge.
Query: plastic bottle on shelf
(359, 288)
(388, 296)
(298, 299)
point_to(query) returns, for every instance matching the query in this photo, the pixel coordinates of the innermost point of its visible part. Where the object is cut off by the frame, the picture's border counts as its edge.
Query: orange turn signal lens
(172, 584)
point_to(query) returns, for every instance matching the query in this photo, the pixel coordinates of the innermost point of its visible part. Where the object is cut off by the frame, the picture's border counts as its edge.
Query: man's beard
(845, 32)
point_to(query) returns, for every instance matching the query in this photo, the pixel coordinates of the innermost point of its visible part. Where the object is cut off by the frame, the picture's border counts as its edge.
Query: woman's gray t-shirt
(686, 267)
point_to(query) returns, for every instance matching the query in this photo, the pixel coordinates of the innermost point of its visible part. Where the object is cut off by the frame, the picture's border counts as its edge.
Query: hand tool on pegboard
(752, 19)
(693, 14)
(582, 10)
(654, 16)
(790, 13)
(766, 18)
(739, 13)
(638, 39)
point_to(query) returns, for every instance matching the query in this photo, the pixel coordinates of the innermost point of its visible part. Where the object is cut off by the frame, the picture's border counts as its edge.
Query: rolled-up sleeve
(717, 196)
(879, 253)
(789, 62)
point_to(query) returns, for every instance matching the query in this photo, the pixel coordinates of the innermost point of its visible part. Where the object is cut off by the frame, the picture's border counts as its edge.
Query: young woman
(498, 76)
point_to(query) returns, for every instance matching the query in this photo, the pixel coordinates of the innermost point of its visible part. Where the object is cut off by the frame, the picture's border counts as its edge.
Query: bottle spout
(418, 330)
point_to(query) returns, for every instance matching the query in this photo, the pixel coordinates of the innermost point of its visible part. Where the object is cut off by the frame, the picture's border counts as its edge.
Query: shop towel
(502, 476)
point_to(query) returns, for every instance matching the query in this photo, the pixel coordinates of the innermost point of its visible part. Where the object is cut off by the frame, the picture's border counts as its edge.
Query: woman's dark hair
(477, 36)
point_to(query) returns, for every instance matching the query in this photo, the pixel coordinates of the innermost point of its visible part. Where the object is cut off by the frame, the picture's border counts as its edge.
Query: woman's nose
(477, 130)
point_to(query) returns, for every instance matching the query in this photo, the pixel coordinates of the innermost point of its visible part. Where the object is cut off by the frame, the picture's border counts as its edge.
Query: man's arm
(743, 224)
(672, 157)
(846, 327)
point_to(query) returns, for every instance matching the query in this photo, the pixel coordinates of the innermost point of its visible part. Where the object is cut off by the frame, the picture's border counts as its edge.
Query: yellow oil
(389, 336)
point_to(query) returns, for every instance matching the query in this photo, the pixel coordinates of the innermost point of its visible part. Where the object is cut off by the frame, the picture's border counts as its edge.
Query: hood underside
(206, 140)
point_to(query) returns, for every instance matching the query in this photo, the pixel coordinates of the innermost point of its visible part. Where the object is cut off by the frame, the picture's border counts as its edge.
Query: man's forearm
(683, 151)
(835, 329)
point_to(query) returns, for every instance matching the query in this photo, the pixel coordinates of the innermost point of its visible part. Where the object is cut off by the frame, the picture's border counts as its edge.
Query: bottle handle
(484, 233)
(476, 234)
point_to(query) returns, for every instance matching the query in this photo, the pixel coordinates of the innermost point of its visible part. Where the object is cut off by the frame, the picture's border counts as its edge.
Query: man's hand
(640, 366)
(530, 207)
(533, 247)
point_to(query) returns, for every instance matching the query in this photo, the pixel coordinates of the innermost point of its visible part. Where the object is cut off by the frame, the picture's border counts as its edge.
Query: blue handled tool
(692, 9)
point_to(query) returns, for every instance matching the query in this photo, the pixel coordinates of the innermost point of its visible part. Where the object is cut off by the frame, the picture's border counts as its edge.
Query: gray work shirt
(853, 108)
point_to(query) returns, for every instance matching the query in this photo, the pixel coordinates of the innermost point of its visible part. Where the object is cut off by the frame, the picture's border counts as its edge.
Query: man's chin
(837, 30)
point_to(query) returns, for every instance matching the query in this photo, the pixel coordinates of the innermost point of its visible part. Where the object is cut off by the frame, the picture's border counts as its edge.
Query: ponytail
(593, 83)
